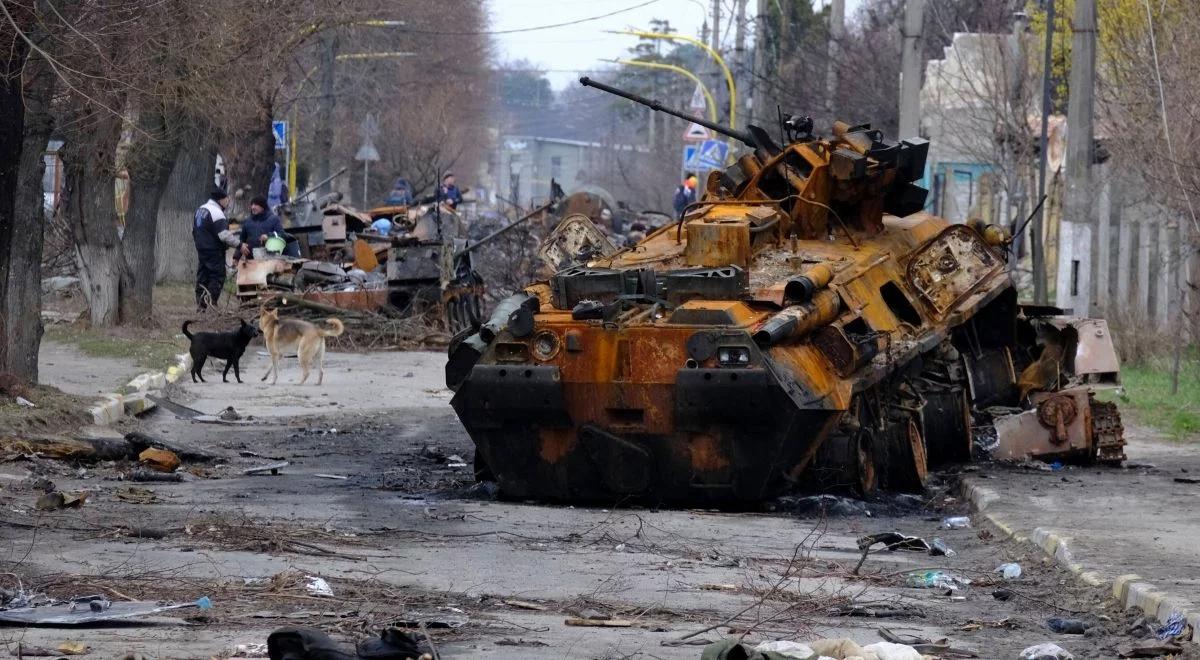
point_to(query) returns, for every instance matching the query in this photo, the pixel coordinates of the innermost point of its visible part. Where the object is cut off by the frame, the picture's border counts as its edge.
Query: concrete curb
(1130, 590)
(115, 406)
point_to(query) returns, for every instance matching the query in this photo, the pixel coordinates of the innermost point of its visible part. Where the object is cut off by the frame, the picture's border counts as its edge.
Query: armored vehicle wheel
(903, 463)
(845, 463)
(463, 312)
(946, 426)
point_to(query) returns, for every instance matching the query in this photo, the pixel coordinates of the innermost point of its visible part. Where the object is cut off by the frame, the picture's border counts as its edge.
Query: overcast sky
(565, 52)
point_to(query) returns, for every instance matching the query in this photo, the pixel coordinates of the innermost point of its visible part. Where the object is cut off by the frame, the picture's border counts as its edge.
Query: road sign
(367, 152)
(697, 98)
(689, 154)
(280, 129)
(368, 130)
(711, 155)
(696, 133)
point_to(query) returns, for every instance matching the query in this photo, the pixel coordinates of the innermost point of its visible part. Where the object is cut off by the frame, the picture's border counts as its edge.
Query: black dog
(228, 346)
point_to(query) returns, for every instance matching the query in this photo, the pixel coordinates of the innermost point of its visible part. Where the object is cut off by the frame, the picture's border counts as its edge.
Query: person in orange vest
(685, 194)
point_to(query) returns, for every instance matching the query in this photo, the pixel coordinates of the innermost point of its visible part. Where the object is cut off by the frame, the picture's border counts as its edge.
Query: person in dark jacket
(261, 224)
(685, 194)
(210, 231)
(402, 193)
(449, 192)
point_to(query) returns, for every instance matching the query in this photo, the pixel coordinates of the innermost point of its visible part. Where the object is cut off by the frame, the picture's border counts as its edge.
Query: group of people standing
(212, 235)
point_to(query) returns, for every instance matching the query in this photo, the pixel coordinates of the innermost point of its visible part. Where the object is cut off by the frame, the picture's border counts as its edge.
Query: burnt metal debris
(346, 265)
(805, 324)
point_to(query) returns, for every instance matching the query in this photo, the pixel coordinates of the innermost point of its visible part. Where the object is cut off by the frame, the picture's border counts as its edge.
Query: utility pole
(739, 59)
(1074, 282)
(910, 69)
(837, 23)
(758, 69)
(1016, 192)
(329, 46)
(716, 42)
(1039, 250)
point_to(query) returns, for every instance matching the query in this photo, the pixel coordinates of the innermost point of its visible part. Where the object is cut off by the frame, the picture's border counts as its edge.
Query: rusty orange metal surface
(367, 300)
(833, 335)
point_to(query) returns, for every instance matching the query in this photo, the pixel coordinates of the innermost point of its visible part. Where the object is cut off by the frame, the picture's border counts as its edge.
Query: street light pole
(1039, 255)
(729, 84)
(708, 97)
(324, 127)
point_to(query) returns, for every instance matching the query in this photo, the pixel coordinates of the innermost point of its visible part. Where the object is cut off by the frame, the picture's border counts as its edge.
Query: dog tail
(185, 330)
(338, 328)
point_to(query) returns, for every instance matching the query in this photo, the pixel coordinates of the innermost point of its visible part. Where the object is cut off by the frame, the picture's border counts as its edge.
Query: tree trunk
(11, 135)
(149, 163)
(23, 294)
(188, 186)
(251, 159)
(89, 156)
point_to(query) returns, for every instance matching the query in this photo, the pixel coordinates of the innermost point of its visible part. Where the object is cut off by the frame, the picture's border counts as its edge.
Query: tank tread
(1108, 432)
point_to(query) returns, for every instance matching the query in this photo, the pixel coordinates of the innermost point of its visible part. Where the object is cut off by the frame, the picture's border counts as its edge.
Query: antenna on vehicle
(437, 203)
(779, 119)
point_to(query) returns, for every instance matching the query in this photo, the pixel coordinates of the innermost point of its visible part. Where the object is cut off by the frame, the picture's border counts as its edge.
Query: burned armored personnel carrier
(804, 325)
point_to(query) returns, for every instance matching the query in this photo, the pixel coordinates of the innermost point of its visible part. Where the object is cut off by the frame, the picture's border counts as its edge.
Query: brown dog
(305, 338)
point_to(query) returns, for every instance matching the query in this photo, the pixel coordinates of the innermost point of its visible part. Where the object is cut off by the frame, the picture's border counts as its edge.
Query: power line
(530, 29)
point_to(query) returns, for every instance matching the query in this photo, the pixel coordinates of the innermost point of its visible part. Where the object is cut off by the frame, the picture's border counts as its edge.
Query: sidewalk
(71, 370)
(363, 382)
(1135, 529)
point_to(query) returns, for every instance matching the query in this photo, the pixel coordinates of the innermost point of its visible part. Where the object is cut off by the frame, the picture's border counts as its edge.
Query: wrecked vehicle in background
(414, 270)
(805, 325)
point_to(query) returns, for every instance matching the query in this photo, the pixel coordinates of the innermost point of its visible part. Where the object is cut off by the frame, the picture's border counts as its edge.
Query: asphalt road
(375, 501)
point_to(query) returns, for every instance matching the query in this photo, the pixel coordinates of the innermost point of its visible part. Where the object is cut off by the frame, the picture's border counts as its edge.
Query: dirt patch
(53, 411)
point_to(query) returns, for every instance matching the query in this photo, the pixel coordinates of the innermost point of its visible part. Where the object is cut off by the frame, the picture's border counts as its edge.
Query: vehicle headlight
(733, 356)
(545, 345)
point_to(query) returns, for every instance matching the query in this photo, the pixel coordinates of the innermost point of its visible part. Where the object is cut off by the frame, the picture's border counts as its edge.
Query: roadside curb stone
(1130, 590)
(114, 406)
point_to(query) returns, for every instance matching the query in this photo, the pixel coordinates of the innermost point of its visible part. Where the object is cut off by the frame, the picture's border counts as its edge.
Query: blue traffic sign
(689, 154)
(280, 129)
(711, 155)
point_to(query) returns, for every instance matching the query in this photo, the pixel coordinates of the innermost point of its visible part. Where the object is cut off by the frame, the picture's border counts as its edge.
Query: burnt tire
(845, 463)
(946, 426)
(902, 456)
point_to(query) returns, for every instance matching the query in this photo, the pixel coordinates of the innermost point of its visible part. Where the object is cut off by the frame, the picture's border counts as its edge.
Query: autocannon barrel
(741, 136)
(505, 229)
(801, 289)
(514, 312)
(799, 320)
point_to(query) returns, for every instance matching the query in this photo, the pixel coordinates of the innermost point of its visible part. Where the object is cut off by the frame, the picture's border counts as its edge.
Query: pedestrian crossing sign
(279, 130)
(711, 155)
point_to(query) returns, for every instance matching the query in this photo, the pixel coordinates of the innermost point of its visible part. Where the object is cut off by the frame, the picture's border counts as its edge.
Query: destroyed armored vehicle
(806, 325)
(415, 269)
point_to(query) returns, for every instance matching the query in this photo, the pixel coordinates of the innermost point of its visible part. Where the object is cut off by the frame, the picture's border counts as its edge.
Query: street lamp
(711, 103)
(708, 49)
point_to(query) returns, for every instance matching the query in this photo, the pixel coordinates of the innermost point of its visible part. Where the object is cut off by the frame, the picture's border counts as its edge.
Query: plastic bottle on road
(956, 522)
(939, 547)
(1010, 571)
(1046, 652)
(935, 580)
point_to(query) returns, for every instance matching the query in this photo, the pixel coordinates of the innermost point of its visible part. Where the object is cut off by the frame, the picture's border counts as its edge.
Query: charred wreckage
(804, 325)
